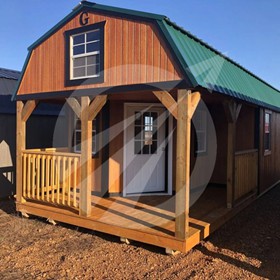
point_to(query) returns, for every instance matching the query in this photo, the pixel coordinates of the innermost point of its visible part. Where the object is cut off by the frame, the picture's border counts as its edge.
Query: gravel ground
(247, 247)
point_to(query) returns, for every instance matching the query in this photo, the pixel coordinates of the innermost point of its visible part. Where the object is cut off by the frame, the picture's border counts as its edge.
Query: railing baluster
(48, 178)
(28, 175)
(24, 174)
(58, 179)
(43, 178)
(53, 177)
(63, 179)
(38, 172)
(69, 181)
(33, 175)
(75, 182)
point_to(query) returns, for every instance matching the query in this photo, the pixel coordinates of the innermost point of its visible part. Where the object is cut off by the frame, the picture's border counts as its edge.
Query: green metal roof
(216, 72)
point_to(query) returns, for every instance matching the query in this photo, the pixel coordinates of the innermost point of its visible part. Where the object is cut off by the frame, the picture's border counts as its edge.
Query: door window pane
(145, 133)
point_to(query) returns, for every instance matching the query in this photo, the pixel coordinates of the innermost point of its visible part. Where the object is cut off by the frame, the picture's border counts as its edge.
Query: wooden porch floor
(148, 219)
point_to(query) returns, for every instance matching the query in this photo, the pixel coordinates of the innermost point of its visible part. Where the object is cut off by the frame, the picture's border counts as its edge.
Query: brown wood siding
(245, 129)
(246, 173)
(133, 53)
(269, 167)
(116, 147)
(219, 175)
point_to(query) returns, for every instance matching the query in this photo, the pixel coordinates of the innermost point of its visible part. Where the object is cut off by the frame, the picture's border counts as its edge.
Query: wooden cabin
(44, 115)
(167, 137)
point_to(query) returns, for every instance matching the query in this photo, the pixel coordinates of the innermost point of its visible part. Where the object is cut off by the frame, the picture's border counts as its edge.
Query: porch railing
(51, 176)
(246, 172)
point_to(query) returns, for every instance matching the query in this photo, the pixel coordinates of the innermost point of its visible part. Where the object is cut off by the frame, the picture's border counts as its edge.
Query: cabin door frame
(168, 162)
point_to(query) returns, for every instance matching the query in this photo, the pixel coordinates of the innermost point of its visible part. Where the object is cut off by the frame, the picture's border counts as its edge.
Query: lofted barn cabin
(167, 138)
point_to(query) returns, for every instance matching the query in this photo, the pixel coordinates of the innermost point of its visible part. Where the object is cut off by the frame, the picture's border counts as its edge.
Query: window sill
(201, 154)
(94, 156)
(267, 153)
(84, 81)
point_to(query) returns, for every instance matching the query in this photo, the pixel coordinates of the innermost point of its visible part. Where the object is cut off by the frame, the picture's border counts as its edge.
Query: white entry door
(145, 147)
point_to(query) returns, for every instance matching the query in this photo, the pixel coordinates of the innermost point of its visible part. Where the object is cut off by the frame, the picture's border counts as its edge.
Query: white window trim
(268, 151)
(72, 56)
(94, 137)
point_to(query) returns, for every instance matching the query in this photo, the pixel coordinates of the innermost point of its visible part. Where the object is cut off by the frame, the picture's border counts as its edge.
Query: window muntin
(78, 136)
(145, 133)
(200, 121)
(267, 132)
(85, 55)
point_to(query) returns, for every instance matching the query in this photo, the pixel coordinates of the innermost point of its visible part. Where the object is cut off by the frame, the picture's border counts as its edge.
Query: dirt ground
(247, 247)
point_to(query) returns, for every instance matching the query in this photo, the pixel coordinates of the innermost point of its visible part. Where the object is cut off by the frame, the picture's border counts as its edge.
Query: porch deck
(146, 219)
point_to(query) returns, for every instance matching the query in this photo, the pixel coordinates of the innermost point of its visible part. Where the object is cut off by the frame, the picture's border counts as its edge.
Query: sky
(246, 31)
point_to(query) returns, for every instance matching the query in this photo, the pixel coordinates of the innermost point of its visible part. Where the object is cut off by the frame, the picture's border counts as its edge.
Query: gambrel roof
(201, 64)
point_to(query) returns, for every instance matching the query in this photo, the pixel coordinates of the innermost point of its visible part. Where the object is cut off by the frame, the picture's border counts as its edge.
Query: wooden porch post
(87, 111)
(23, 113)
(182, 110)
(186, 106)
(232, 110)
(86, 156)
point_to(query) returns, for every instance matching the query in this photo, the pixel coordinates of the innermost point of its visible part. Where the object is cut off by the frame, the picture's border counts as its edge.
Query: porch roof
(201, 64)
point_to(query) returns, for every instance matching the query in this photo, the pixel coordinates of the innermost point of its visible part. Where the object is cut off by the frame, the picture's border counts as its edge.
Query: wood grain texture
(140, 218)
(51, 174)
(183, 165)
(168, 101)
(133, 53)
(246, 173)
(28, 108)
(20, 146)
(231, 163)
(86, 154)
(269, 166)
(116, 147)
(75, 106)
(95, 106)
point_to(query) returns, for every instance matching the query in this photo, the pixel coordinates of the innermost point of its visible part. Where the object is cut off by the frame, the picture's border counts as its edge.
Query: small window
(267, 132)
(78, 136)
(200, 121)
(145, 133)
(84, 55)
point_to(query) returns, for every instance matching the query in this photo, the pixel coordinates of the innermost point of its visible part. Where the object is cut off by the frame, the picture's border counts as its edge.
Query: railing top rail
(245, 152)
(51, 153)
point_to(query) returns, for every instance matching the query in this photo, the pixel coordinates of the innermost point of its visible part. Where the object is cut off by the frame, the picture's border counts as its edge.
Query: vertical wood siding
(269, 164)
(133, 53)
(246, 173)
